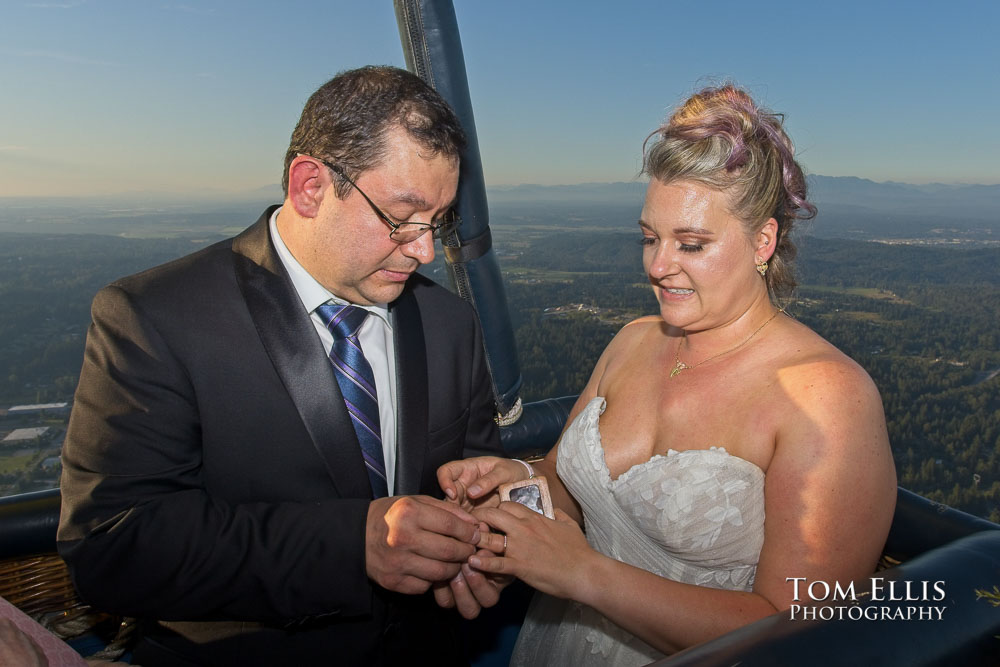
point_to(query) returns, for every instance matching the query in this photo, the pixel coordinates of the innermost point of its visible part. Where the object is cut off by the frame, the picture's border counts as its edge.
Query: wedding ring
(505, 544)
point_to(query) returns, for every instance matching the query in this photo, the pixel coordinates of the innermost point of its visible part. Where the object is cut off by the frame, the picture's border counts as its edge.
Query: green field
(19, 463)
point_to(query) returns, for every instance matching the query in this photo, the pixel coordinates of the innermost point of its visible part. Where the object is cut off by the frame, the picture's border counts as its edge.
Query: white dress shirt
(375, 337)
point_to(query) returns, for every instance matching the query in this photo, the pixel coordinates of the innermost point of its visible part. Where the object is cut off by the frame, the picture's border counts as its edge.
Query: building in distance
(22, 435)
(38, 408)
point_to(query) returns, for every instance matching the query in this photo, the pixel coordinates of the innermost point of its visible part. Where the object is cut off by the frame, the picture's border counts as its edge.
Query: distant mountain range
(849, 207)
(859, 208)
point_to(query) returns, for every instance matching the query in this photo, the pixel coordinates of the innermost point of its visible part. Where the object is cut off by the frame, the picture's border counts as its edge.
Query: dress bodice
(704, 508)
(694, 516)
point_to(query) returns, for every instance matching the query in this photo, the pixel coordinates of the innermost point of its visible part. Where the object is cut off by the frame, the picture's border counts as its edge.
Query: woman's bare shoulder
(640, 334)
(831, 406)
(635, 333)
(810, 364)
(641, 322)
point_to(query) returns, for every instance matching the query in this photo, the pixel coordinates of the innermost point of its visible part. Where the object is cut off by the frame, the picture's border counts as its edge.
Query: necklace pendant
(678, 367)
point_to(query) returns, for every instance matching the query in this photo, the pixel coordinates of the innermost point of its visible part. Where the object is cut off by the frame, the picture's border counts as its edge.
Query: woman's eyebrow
(694, 230)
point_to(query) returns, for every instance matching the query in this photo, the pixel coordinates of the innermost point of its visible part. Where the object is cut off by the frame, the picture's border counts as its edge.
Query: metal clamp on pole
(470, 249)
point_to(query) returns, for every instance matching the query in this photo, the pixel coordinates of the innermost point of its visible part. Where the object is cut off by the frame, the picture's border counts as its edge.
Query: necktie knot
(343, 321)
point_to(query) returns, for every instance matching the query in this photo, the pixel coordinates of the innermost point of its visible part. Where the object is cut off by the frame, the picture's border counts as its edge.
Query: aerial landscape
(135, 134)
(915, 304)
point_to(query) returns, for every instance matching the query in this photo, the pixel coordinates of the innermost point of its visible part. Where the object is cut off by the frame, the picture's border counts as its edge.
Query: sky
(103, 97)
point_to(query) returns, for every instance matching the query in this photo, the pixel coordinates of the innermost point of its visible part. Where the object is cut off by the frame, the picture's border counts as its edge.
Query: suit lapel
(412, 392)
(298, 357)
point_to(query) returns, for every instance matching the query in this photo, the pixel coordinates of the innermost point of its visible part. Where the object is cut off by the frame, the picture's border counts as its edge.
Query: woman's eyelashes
(683, 247)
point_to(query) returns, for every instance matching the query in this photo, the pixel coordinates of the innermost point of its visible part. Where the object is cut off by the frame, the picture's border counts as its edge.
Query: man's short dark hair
(345, 121)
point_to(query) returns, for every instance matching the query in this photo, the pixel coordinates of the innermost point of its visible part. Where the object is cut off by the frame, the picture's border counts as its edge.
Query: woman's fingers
(489, 482)
(491, 564)
(494, 542)
(506, 514)
(565, 518)
(502, 471)
(454, 477)
(542, 552)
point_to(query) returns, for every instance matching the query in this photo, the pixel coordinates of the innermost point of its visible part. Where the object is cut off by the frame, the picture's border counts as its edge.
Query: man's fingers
(426, 569)
(451, 508)
(440, 516)
(441, 548)
(443, 595)
(409, 585)
(415, 540)
(485, 589)
(465, 600)
(412, 515)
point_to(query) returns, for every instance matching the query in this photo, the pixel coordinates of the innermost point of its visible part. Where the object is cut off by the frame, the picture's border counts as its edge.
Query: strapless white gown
(695, 516)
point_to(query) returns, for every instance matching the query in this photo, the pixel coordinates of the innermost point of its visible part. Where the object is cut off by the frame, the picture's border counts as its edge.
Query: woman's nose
(663, 261)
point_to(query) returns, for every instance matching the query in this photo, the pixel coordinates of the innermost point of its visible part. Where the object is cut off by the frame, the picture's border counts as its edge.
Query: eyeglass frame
(437, 231)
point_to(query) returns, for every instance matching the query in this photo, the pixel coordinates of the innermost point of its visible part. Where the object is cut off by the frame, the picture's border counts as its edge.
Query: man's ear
(307, 182)
(767, 239)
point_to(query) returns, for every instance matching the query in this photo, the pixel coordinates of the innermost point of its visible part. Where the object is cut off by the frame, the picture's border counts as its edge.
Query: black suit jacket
(213, 483)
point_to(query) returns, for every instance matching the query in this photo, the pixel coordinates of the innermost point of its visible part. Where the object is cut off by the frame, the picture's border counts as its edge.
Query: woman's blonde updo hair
(722, 139)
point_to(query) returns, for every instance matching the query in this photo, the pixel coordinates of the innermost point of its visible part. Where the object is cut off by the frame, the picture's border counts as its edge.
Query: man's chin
(383, 293)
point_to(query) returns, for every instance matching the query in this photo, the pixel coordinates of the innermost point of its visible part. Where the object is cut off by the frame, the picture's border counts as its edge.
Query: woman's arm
(554, 557)
(830, 488)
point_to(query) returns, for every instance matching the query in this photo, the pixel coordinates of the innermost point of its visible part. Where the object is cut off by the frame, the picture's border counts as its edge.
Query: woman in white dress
(720, 448)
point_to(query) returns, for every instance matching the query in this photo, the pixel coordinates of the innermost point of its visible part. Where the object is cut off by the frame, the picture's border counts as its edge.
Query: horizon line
(222, 194)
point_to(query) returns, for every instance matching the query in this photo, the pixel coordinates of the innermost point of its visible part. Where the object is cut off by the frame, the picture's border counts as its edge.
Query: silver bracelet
(528, 466)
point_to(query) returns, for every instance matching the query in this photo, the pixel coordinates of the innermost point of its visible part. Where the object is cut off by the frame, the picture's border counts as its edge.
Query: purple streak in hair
(730, 120)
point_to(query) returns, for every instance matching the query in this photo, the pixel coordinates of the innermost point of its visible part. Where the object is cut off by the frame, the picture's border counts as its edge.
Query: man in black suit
(213, 481)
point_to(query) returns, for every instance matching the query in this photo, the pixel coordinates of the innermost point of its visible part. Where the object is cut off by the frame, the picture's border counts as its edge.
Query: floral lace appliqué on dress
(695, 516)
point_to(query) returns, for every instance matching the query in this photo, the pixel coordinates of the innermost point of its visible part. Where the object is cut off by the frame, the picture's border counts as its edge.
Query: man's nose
(420, 248)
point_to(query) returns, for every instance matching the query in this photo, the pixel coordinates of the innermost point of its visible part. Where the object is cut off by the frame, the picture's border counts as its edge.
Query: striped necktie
(357, 384)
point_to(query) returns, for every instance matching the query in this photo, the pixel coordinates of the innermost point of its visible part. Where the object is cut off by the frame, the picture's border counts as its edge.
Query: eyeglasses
(402, 232)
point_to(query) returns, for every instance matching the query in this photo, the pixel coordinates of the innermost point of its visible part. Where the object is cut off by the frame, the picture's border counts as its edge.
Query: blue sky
(110, 96)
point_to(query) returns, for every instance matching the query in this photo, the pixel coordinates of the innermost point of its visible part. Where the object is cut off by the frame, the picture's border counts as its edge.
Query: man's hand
(471, 591)
(412, 541)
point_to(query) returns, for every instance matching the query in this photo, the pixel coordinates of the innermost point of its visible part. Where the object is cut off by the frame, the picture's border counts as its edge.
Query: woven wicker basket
(40, 586)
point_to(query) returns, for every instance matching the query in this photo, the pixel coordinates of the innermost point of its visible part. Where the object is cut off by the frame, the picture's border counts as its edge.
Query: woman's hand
(473, 482)
(551, 556)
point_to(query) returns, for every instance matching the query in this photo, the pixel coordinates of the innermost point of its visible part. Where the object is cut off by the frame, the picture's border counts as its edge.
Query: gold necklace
(681, 366)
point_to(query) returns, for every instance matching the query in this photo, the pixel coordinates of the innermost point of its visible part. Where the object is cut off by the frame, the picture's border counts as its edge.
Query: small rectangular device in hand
(532, 493)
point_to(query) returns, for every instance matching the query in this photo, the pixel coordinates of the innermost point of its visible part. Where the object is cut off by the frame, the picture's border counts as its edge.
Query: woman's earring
(761, 267)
